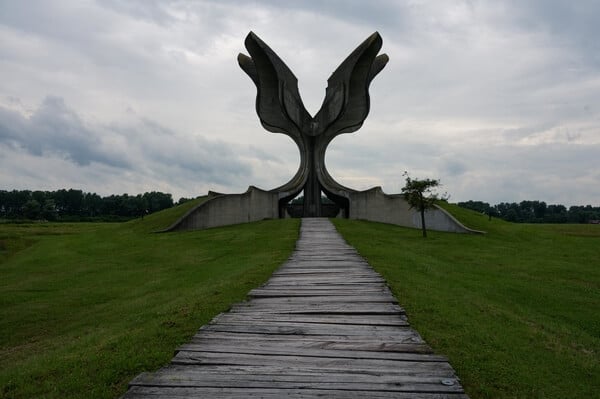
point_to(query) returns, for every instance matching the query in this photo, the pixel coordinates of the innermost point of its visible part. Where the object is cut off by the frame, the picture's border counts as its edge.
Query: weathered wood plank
(138, 392)
(291, 292)
(326, 286)
(311, 342)
(353, 341)
(322, 284)
(381, 298)
(175, 371)
(181, 377)
(323, 308)
(387, 332)
(292, 362)
(371, 320)
(262, 373)
(326, 280)
(249, 349)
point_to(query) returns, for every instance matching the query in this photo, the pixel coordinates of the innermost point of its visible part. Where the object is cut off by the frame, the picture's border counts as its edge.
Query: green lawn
(86, 307)
(516, 310)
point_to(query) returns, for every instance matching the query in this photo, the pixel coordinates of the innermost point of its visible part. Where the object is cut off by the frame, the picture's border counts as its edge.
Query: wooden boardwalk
(325, 325)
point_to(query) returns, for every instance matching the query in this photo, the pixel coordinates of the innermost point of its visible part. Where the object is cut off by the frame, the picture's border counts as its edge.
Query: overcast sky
(500, 100)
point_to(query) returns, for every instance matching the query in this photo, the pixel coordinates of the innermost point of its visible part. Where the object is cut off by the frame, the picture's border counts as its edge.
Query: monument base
(377, 206)
(256, 204)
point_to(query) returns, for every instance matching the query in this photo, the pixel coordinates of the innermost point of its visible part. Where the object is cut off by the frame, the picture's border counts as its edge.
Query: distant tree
(583, 214)
(298, 200)
(420, 194)
(556, 214)
(539, 210)
(15, 201)
(511, 215)
(39, 196)
(478, 206)
(75, 205)
(157, 201)
(325, 200)
(4, 195)
(32, 209)
(491, 212)
(92, 204)
(49, 210)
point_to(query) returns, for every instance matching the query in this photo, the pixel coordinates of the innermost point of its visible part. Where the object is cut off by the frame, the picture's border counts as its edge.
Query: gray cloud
(148, 10)
(206, 160)
(139, 147)
(575, 24)
(54, 129)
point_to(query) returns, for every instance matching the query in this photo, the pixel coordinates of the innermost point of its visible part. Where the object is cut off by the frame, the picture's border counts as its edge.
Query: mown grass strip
(86, 307)
(515, 310)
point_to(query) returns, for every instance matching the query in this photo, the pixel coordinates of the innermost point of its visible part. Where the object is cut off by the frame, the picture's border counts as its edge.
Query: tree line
(536, 212)
(76, 205)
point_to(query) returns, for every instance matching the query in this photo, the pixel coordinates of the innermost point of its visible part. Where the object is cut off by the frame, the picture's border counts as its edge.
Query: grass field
(517, 310)
(86, 307)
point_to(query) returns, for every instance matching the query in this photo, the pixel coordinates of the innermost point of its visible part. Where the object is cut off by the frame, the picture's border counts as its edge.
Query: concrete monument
(280, 110)
(344, 109)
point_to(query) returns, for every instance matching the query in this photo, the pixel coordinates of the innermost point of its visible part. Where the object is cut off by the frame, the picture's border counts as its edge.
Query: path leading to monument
(324, 325)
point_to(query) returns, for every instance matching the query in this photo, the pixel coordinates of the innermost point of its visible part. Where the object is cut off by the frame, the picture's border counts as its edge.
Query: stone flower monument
(280, 110)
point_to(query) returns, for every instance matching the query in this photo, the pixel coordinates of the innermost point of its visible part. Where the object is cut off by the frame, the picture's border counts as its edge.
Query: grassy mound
(515, 310)
(86, 307)
(163, 219)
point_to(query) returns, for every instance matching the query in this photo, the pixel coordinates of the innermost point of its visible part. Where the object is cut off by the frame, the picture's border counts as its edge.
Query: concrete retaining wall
(225, 209)
(256, 204)
(377, 206)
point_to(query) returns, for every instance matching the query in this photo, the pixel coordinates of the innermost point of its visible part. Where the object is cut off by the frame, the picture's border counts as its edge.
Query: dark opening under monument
(280, 110)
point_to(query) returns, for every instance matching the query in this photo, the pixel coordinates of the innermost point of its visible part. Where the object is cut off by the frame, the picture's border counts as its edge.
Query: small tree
(32, 209)
(49, 210)
(420, 195)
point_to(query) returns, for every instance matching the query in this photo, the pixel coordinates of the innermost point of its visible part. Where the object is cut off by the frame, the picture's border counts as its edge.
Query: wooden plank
(249, 349)
(301, 372)
(353, 299)
(326, 265)
(371, 320)
(312, 342)
(207, 376)
(291, 292)
(348, 340)
(292, 362)
(338, 273)
(138, 392)
(201, 378)
(327, 277)
(387, 332)
(330, 264)
(327, 286)
(322, 308)
(322, 284)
